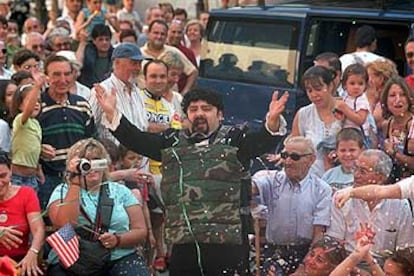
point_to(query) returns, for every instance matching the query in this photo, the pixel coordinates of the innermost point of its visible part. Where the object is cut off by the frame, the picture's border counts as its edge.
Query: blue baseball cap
(127, 50)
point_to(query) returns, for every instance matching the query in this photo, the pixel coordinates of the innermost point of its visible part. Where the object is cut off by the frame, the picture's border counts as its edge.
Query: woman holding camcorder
(107, 218)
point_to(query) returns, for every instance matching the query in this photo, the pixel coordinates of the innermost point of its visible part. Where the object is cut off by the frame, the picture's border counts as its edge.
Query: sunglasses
(293, 156)
(409, 54)
(4, 51)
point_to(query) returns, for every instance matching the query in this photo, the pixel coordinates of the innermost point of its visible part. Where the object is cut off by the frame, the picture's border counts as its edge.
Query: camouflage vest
(202, 190)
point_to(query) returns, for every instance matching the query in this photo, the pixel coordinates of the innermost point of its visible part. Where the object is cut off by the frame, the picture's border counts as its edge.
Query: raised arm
(368, 193)
(147, 144)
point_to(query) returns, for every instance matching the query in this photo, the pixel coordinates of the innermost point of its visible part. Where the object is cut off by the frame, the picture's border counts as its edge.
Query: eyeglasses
(293, 156)
(363, 170)
(63, 45)
(409, 54)
(38, 46)
(27, 67)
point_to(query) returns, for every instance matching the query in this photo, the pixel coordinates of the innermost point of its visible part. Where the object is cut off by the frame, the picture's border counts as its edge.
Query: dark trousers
(131, 265)
(216, 259)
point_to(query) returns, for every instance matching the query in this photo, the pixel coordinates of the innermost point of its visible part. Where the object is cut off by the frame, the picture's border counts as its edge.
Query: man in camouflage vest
(206, 184)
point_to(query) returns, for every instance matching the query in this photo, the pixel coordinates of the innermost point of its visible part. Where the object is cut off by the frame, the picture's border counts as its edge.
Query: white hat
(70, 55)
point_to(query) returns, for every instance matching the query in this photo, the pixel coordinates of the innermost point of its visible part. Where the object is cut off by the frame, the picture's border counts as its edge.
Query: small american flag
(66, 245)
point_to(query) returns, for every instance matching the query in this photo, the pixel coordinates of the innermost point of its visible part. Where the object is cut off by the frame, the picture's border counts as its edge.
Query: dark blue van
(252, 51)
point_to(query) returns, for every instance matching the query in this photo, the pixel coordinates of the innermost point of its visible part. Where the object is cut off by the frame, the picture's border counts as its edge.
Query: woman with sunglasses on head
(77, 201)
(317, 120)
(379, 72)
(27, 134)
(20, 219)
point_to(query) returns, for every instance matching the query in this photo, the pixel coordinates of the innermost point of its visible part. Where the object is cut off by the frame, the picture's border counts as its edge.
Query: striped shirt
(130, 104)
(63, 124)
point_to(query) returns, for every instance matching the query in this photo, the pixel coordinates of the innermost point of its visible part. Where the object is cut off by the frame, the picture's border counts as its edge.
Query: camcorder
(85, 165)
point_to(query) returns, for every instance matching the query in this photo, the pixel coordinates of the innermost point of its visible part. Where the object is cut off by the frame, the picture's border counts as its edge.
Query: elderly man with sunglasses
(298, 205)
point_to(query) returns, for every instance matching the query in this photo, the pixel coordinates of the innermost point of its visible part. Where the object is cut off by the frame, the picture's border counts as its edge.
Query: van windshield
(259, 52)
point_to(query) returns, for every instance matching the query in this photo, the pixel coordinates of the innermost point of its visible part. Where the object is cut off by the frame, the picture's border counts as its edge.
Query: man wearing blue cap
(126, 63)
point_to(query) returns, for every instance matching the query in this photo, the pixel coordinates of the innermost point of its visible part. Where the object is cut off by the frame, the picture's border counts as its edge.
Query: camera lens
(86, 166)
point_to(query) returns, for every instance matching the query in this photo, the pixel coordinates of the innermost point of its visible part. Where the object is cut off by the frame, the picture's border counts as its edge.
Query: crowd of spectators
(357, 131)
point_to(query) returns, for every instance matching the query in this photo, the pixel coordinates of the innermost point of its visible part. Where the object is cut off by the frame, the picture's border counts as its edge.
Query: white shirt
(357, 104)
(83, 90)
(391, 219)
(312, 127)
(357, 57)
(5, 136)
(131, 105)
(407, 187)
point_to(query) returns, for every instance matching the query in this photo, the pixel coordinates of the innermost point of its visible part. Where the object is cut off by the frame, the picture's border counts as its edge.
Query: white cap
(70, 55)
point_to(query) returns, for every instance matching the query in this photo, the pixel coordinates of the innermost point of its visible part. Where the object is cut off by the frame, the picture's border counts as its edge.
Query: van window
(252, 52)
(338, 36)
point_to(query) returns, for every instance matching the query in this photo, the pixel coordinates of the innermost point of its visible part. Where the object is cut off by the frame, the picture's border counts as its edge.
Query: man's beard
(200, 125)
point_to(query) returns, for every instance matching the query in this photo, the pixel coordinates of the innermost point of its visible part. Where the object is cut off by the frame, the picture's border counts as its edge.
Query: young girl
(139, 186)
(355, 107)
(349, 144)
(26, 135)
(92, 15)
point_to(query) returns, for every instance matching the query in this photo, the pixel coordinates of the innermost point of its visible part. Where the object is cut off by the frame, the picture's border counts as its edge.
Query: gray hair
(173, 60)
(310, 148)
(32, 35)
(383, 163)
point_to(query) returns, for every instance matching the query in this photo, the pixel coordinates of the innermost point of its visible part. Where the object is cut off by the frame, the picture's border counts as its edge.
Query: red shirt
(410, 81)
(14, 212)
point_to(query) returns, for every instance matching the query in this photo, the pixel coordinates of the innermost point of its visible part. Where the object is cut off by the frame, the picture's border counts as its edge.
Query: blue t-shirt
(338, 179)
(123, 198)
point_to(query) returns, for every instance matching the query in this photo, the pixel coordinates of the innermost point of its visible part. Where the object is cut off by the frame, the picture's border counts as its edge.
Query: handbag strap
(104, 209)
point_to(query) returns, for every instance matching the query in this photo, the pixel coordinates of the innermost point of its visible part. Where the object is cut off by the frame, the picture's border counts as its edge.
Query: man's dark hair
(162, 22)
(18, 77)
(334, 249)
(364, 36)
(409, 39)
(55, 58)
(180, 11)
(101, 30)
(4, 159)
(153, 61)
(3, 21)
(331, 58)
(127, 33)
(350, 134)
(24, 55)
(202, 94)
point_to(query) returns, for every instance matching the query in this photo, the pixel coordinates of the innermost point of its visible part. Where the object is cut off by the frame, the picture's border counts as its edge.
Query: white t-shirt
(5, 136)
(357, 104)
(358, 57)
(407, 187)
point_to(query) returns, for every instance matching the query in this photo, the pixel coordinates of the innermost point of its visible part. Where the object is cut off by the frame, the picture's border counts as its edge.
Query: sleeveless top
(401, 143)
(322, 136)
